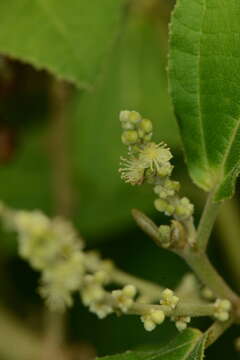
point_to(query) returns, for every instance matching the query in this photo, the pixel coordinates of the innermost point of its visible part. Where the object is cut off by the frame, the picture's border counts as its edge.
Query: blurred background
(59, 152)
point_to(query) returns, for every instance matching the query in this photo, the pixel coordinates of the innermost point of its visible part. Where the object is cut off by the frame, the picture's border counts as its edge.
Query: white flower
(154, 156)
(132, 171)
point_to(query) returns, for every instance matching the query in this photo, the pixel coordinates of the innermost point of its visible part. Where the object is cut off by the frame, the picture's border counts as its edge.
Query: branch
(207, 221)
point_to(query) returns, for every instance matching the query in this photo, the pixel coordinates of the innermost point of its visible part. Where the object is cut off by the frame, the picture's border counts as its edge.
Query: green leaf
(134, 79)
(69, 39)
(188, 345)
(204, 70)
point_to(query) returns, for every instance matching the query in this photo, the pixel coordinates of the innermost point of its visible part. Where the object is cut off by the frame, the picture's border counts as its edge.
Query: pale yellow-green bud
(160, 205)
(124, 115)
(157, 316)
(165, 170)
(172, 185)
(184, 208)
(146, 126)
(163, 191)
(129, 137)
(127, 126)
(170, 209)
(147, 137)
(152, 318)
(141, 133)
(169, 299)
(134, 117)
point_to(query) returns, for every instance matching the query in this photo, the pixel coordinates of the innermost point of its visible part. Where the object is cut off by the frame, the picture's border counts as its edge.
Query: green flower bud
(141, 133)
(165, 170)
(172, 185)
(129, 137)
(134, 117)
(160, 205)
(127, 126)
(124, 115)
(163, 192)
(148, 137)
(146, 126)
(184, 208)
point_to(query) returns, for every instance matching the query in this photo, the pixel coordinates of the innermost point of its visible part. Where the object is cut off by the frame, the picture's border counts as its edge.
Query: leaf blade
(203, 74)
(188, 345)
(70, 41)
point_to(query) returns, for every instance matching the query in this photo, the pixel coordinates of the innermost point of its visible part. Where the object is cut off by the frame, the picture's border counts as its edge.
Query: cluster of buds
(222, 309)
(52, 247)
(124, 298)
(147, 160)
(150, 162)
(169, 299)
(152, 318)
(136, 130)
(181, 322)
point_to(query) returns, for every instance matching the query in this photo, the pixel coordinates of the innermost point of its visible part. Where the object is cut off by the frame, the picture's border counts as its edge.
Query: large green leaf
(68, 38)
(134, 79)
(188, 345)
(204, 71)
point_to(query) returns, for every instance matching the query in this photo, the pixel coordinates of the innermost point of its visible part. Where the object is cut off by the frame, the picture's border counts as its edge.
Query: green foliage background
(119, 64)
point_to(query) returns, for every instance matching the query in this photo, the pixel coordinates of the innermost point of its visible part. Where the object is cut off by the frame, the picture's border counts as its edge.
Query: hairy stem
(205, 271)
(207, 221)
(229, 234)
(182, 309)
(216, 330)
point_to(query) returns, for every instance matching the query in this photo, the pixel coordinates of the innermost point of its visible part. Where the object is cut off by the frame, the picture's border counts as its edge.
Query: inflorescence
(149, 162)
(54, 248)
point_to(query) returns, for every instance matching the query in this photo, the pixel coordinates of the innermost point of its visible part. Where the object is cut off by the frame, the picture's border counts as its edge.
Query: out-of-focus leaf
(204, 76)
(135, 79)
(189, 345)
(69, 39)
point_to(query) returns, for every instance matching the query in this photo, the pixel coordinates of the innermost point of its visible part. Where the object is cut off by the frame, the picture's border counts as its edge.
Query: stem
(207, 221)
(229, 234)
(209, 276)
(184, 309)
(216, 330)
(152, 291)
(147, 225)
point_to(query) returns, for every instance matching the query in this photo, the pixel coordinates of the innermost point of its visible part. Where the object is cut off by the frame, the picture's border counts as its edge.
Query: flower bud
(146, 126)
(124, 115)
(134, 117)
(129, 137)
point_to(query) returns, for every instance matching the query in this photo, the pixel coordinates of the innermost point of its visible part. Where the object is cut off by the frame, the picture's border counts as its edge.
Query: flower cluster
(52, 247)
(152, 318)
(222, 309)
(181, 322)
(124, 298)
(150, 162)
(169, 299)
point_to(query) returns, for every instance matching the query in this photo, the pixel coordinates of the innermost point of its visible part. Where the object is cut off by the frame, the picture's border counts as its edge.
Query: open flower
(154, 156)
(132, 171)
